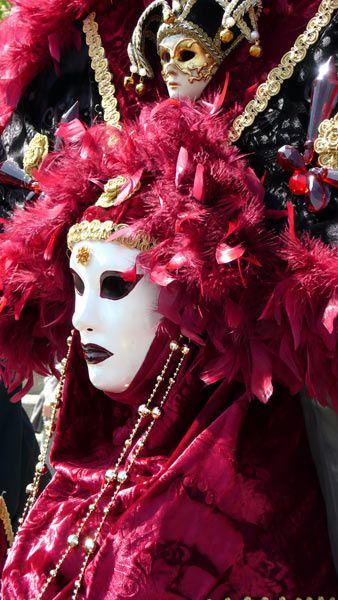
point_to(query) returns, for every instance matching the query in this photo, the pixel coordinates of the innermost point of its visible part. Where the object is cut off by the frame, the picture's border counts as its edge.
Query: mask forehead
(102, 256)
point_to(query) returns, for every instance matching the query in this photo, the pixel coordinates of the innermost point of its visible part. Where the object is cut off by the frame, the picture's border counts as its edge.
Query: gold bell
(226, 36)
(140, 88)
(256, 51)
(129, 82)
(169, 18)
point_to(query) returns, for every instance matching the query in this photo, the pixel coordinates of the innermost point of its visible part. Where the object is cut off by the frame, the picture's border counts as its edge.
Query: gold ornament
(256, 51)
(326, 144)
(83, 255)
(140, 88)
(101, 230)
(129, 82)
(226, 36)
(35, 153)
(111, 190)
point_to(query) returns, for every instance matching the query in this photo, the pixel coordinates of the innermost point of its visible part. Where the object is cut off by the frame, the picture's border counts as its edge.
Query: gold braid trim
(101, 230)
(6, 520)
(36, 151)
(271, 87)
(103, 76)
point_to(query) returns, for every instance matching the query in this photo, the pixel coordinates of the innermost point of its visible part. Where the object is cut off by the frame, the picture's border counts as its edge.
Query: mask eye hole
(186, 55)
(165, 55)
(78, 283)
(114, 287)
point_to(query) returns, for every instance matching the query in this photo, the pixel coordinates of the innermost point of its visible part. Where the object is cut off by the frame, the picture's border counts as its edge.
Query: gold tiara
(101, 230)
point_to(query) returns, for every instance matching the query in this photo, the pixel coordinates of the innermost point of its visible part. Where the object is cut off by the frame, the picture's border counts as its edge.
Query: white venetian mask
(187, 67)
(115, 312)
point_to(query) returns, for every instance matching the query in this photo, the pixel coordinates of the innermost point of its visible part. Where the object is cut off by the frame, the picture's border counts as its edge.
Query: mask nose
(84, 314)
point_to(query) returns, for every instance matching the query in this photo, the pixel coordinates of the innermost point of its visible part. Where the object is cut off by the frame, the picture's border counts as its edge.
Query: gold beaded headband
(102, 230)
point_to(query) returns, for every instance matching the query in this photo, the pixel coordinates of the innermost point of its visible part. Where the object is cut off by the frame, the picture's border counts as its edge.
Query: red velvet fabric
(222, 501)
(3, 547)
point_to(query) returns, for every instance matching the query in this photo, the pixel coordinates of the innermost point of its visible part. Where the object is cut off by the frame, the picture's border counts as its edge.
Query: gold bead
(29, 489)
(140, 88)
(72, 540)
(129, 82)
(255, 51)
(156, 412)
(174, 345)
(110, 475)
(89, 545)
(185, 350)
(122, 476)
(169, 18)
(143, 410)
(226, 36)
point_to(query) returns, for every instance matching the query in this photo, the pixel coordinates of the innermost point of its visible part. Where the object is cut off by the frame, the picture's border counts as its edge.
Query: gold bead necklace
(115, 477)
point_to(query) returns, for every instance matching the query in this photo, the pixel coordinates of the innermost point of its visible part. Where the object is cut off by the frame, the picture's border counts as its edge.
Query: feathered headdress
(180, 188)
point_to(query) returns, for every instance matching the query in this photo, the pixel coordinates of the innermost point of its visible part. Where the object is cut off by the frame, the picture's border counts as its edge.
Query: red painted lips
(95, 354)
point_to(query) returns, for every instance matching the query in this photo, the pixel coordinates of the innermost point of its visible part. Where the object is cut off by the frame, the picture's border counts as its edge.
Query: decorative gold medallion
(83, 255)
(326, 144)
(111, 190)
(35, 153)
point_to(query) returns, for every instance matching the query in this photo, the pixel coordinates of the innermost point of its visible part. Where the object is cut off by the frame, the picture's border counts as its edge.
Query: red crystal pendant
(299, 184)
(319, 194)
(290, 159)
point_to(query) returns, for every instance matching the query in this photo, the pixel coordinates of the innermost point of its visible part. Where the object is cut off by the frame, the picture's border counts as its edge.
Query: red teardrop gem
(299, 184)
(290, 159)
(319, 194)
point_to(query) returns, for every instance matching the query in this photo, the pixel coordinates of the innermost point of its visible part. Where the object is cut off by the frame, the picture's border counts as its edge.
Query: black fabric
(285, 121)
(208, 15)
(48, 97)
(18, 454)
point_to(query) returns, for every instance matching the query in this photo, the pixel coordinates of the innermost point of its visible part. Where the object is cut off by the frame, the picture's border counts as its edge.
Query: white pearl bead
(230, 22)
(122, 476)
(254, 35)
(72, 540)
(133, 68)
(143, 72)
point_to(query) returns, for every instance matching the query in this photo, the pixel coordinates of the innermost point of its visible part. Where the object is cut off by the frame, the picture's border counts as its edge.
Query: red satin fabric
(222, 501)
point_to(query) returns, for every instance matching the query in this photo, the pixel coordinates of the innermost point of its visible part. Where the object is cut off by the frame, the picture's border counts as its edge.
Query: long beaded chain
(32, 489)
(114, 477)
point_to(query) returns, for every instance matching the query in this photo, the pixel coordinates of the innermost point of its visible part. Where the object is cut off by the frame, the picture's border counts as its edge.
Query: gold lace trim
(36, 151)
(271, 87)
(100, 66)
(326, 144)
(101, 230)
(6, 520)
